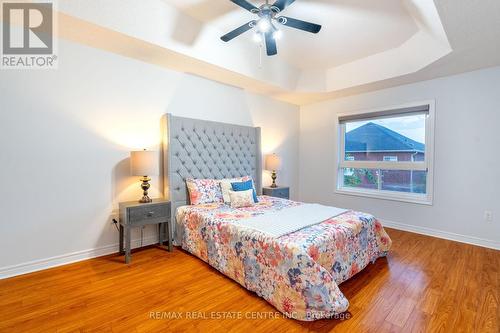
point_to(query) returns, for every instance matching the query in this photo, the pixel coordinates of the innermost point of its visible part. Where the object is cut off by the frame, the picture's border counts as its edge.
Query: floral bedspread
(298, 273)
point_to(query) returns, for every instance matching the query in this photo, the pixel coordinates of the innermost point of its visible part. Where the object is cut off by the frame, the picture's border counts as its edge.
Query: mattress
(299, 272)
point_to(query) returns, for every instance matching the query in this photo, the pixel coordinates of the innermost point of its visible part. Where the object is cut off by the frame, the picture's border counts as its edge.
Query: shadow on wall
(186, 30)
(200, 98)
(190, 25)
(205, 11)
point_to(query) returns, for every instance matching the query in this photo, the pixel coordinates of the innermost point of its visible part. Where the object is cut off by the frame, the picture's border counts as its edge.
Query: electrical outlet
(488, 216)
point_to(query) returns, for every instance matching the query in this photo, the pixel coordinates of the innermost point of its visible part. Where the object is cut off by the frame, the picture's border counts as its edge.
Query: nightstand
(134, 214)
(278, 192)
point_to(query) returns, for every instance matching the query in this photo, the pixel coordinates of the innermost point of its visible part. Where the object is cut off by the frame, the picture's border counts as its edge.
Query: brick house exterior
(372, 142)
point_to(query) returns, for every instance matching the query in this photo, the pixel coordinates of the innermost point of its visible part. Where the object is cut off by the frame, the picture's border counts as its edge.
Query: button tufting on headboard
(204, 149)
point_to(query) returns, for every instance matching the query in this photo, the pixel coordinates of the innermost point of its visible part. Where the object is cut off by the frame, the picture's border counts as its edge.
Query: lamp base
(273, 177)
(146, 199)
(145, 187)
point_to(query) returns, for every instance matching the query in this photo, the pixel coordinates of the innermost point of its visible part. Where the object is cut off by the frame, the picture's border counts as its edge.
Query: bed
(298, 272)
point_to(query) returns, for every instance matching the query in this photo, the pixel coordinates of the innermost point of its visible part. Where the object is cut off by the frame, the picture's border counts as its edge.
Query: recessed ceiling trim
(150, 31)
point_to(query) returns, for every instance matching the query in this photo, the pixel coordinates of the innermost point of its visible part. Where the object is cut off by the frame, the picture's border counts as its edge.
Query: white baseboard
(491, 244)
(38, 265)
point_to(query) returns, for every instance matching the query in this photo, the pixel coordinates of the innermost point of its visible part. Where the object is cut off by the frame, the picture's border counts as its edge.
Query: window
(387, 153)
(349, 158)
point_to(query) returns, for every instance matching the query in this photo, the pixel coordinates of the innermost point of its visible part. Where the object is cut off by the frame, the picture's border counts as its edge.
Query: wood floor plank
(424, 285)
(401, 312)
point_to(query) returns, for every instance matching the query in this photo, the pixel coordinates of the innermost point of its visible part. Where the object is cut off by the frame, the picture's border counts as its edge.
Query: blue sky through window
(412, 126)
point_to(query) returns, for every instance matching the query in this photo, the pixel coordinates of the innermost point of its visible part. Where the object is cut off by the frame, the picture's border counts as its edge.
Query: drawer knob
(150, 214)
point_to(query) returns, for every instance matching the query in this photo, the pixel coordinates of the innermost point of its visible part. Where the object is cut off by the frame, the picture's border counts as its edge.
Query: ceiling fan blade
(298, 24)
(247, 5)
(282, 4)
(238, 31)
(270, 44)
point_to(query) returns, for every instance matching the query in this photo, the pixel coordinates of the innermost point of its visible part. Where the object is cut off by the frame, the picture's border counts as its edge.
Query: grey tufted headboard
(195, 148)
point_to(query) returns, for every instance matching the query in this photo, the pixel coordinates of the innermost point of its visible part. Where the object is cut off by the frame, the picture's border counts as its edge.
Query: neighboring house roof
(373, 137)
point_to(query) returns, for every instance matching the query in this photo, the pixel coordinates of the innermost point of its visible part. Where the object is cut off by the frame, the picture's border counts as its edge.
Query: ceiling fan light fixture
(263, 25)
(277, 34)
(265, 31)
(257, 37)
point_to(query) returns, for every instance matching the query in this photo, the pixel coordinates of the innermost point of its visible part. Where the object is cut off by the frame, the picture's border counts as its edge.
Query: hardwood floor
(425, 285)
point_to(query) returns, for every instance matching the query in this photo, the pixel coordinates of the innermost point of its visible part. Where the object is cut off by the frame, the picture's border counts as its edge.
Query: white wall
(467, 156)
(65, 138)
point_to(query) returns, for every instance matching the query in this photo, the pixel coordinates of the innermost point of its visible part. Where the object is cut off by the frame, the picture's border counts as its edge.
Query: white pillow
(225, 186)
(241, 199)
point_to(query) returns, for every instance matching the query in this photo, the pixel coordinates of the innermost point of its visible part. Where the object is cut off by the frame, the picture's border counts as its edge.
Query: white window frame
(427, 165)
(390, 158)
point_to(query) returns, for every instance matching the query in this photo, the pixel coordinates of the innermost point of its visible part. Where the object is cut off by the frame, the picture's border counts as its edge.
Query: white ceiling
(361, 41)
(364, 44)
(352, 29)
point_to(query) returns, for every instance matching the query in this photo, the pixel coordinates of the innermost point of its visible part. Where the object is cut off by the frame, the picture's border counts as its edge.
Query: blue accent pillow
(245, 186)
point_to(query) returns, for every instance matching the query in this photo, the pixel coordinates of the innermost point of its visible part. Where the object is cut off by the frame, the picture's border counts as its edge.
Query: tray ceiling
(362, 44)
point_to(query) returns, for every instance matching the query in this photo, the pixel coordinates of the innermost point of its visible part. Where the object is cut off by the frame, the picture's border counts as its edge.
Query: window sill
(387, 195)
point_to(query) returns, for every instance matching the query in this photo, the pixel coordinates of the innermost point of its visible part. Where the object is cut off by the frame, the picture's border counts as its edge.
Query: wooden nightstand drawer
(136, 215)
(148, 214)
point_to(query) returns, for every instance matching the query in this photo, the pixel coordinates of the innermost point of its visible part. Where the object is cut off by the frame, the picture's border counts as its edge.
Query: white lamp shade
(273, 162)
(144, 163)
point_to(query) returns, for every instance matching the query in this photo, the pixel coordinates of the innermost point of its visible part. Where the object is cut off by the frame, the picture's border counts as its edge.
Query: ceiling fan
(265, 24)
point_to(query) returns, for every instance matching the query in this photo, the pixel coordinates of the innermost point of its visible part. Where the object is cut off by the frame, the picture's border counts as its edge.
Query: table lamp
(144, 163)
(273, 163)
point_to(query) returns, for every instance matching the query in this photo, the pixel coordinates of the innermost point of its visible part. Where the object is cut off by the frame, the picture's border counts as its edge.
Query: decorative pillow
(241, 199)
(202, 191)
(244, 186)
(225, 185)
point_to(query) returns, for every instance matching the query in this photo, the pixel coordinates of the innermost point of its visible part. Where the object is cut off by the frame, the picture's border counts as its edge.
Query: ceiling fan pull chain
(260, 55)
